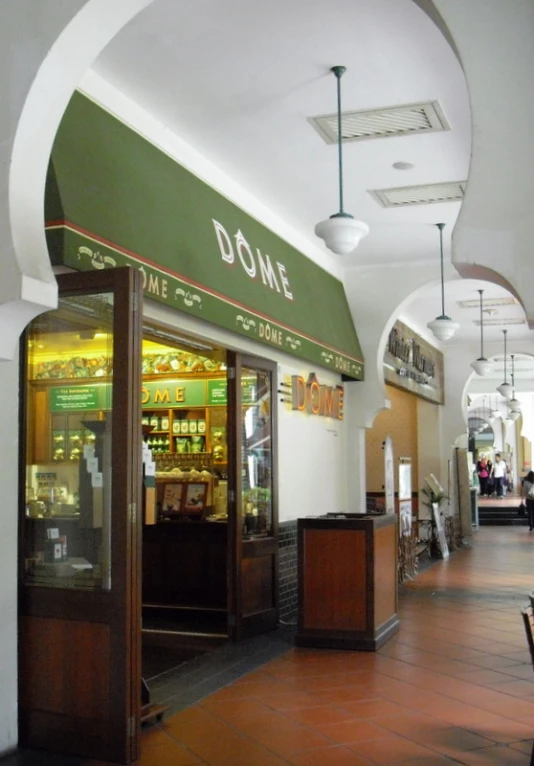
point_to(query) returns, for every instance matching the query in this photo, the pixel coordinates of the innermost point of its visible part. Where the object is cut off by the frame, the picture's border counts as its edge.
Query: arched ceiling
(238, 81)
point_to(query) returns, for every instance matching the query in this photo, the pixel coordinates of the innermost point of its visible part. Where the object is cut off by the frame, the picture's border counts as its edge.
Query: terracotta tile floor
(455, 686)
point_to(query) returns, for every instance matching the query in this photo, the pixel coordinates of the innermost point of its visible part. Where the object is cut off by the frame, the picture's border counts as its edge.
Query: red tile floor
(455, 686)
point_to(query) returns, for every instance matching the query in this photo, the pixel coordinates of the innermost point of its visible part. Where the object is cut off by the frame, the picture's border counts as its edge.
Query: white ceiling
(427, 307)
(238, 80)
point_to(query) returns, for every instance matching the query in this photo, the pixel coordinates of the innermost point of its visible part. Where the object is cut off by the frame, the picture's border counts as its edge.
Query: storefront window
(67, 524)
(256, 452)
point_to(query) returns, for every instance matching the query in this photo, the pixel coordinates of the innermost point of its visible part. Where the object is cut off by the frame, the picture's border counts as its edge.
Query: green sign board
(217, 392)
(75, 398)
(155, 394)
(114, 199)
(174, 393)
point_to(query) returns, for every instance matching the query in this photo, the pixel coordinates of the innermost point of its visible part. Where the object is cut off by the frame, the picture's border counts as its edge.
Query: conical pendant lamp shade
(482, 366)
(341, 232)
(442, 327)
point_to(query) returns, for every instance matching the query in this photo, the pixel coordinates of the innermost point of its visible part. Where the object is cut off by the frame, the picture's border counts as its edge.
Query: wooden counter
(347, 574)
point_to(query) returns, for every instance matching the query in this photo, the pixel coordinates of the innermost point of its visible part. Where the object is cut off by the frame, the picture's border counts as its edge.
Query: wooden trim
(239, 549)
(233, 445)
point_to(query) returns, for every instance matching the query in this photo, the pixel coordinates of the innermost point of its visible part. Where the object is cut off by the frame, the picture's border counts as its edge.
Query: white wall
(311, 456)
(429, 443)
(8, 555)
(312, 462)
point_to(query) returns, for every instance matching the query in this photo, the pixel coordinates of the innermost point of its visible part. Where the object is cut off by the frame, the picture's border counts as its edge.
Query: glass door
(79, 611)
(253, 490)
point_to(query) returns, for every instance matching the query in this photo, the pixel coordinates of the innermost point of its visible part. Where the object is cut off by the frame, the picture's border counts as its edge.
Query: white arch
(70, 36)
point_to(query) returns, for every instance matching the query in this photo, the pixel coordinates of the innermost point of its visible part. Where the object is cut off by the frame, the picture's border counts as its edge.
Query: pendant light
(505, 389)
(341, 232)
(481, 365)
(514, 404)
(443, 327)
(495, 411)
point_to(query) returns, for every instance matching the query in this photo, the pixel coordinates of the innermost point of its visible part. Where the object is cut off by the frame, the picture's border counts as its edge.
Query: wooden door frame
(236, 362)
(119, 608)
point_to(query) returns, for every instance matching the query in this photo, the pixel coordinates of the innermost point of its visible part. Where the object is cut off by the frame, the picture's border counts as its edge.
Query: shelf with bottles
(177, 430)
(158, 443)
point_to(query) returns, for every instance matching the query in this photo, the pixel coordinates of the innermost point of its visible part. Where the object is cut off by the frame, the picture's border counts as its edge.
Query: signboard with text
(114, 199)
(412, 364)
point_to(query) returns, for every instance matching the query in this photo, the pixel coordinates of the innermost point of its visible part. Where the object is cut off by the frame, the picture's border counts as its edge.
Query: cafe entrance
(148, 501)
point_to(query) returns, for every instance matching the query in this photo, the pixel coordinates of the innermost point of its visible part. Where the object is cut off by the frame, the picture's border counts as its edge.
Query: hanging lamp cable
(481, 327)
(339, 71)
(441, 226)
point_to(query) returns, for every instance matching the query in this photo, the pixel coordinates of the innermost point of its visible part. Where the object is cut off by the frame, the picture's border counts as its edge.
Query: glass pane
(67, 524)
(256, 457)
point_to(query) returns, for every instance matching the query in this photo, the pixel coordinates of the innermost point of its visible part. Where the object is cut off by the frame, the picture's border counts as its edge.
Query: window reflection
(67, 524)
(256, 453)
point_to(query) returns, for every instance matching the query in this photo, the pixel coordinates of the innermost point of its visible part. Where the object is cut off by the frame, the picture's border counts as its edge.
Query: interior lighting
(443, 327)
(482, 366)
(341, 232)
(505, 389)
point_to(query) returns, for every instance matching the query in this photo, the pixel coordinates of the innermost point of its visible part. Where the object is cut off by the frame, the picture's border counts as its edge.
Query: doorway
(135, 439)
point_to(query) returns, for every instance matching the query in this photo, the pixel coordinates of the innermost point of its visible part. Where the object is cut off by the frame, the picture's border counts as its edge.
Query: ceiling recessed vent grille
(382, 123)
(420, 195)
(487, 303)
(499, 322)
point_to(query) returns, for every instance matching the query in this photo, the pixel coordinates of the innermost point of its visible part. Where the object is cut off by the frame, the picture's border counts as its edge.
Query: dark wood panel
(87, 670)
(385, 574)
(41, 664)
(65, 667)
(40, 729)
(335, 580)
(184, 563)
(258, 582)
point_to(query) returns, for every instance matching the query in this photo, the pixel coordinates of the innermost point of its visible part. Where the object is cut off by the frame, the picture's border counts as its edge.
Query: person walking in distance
(527, 494)
(483, 471)
(499, 475)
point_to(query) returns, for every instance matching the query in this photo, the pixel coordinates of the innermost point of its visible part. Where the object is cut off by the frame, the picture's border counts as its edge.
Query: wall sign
(412, 364)
(114, 199)
(316, 399)
(71, 398)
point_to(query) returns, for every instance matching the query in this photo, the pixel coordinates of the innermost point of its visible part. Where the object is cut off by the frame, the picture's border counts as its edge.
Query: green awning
(114, 199)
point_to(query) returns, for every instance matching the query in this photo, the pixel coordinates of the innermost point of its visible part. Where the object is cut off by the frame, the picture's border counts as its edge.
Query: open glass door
(253, 506)
(79, 609)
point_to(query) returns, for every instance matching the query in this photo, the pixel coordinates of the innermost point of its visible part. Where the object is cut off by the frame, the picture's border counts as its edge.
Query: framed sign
(405, 496)
(412, 364)
(172, 498)
(389, 476)
(195, 497)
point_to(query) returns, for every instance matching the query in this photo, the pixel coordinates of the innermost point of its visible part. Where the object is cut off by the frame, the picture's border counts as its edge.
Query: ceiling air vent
(487, 303)
(388, 121)
(499, 322)
(426, 194)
